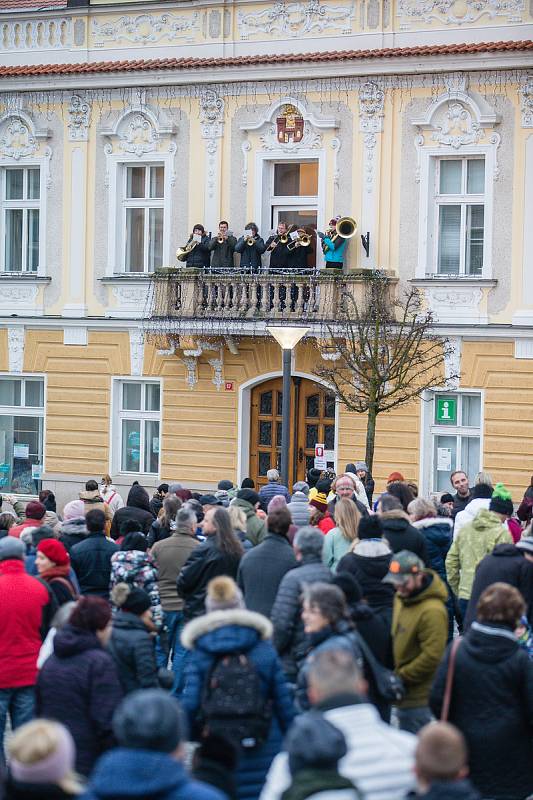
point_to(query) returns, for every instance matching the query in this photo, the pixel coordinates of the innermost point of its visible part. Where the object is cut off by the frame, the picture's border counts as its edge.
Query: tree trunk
(370, 436)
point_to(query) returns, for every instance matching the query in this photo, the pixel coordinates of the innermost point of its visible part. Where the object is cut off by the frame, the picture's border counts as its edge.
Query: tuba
(346, 227)
(183, 252)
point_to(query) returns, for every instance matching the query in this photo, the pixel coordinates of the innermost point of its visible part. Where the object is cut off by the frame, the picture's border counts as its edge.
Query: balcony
(182, 300)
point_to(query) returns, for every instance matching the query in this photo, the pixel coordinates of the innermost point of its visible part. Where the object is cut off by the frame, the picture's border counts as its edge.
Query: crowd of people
(272, 643)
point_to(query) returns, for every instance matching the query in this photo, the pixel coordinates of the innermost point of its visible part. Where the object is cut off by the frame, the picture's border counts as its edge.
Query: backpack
(233, 703)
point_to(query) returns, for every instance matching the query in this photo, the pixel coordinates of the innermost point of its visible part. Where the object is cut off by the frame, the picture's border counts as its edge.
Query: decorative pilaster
(371, 113)
(212, 122)
(452, 363)
(136, 351)
(217, 365)
(15, 346)
(525, 92)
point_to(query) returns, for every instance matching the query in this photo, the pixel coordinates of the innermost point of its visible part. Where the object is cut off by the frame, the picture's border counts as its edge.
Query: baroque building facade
(124, 124)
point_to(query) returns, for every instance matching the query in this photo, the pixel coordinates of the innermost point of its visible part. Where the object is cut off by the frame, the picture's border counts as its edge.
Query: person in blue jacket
(333, 247)
(229, 628)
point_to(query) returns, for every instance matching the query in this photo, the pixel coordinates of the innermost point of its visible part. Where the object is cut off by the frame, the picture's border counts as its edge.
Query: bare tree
(384, 352)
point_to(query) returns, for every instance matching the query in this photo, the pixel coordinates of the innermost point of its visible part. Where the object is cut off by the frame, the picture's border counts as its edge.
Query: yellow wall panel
(4, 355)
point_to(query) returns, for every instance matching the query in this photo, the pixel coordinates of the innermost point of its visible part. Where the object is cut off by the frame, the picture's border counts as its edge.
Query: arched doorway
(312, 422)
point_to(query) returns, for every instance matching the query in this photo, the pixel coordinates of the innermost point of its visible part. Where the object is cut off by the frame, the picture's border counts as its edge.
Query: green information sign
(446, 410)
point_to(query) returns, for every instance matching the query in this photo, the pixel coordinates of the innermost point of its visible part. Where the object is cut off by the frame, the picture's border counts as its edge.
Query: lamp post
(287, 338)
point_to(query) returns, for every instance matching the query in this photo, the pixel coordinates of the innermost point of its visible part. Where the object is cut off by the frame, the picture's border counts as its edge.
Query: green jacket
(473, 542)
(419, 634)
(313, 781)
(255, 527)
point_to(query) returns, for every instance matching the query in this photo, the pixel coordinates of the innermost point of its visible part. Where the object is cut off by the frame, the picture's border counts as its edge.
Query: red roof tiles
(242, 61)
(23, 5)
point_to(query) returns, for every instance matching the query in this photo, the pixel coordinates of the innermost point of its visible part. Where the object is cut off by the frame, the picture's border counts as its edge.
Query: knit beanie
(52, 768)
(278, 501)
(395, 476)
(55, 551)
(74, 510)
(34, 510)
(324, 486)
(149, 719)
(360, 465)
(223, 593)
(225, 486)
(249, 495)
(370, 527)
(131, 599)
(11, 547)
(320, 501)
(501, 501)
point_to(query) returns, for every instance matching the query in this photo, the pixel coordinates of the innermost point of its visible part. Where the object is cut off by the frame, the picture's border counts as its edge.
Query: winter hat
(314, 742)
(35, 510)
(301, 486)
(370, 527)
(131, 599)
(210, 500)
(247, 484)
(11, 547)
(526, 544)
(350, 587)
(74, 510)
(482, 491)
(501, 501)
(149, 719)
(320, 501)
(278, 501)
(395, 476)
(163, 488)
(249, 495)
(223, 593)
(313, 476)
(361, 465)
(52, 768)
(225, 486)
(55, 551)
(350, 468)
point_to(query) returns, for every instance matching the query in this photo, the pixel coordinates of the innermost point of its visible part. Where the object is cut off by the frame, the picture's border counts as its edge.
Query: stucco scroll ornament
(246, 146)
(452, 363)
(458, 127)
(297, 19)
(371, 113)
(192, 372)
(211, 113)
(460, 12)
(526, 101)
(217, 365)
(79, 113)
(145, 28)
(18, 141)
(139, 137)
(15, 346)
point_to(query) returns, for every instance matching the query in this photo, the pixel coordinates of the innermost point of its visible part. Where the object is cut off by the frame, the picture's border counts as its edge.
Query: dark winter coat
(199, 255)
(158, 533)
(448, 790)
(279, 256)
(261, 571)
(460, 503)
(250, 255)
(369, 572)
(375, 630)
(204, 563)
(401, 535)
(437, 532)
(506, 563)
(369, 484)
(15, 790)
(492, 704)
(91, 561)
(318, 782)
(132, 649)
(255, 527)
(289, 638)
(141, 774)
(78, 685)
(72, 532)
(137, 508)
(298, 257)
(156, 504)
(222, 253)
(239, 631)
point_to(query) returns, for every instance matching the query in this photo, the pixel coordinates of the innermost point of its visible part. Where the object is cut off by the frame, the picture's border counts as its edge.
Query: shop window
(21, 434)
(454, 437)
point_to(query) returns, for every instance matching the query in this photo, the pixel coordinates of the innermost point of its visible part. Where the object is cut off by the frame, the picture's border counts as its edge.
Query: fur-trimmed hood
(242, 628)
(428, 522)
(396, 513)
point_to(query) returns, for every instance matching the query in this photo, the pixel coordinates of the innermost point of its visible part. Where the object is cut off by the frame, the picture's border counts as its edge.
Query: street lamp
(287, 338)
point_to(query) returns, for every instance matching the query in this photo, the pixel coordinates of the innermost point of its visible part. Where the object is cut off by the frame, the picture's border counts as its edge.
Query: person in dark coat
(492, 697)
(361, 470)
(508, 563)
(397, 529)
(229, 628)
(289, 637)
(263, 567)
(132, 642)
(148, 763)
(368, 563)
(137, 507)
(222, 251)
(463, 494)
(53, 566)
(276, 249)
(91, 559)
(164, 526)
(436, 530)
(251, 253)
(78, 685)
(220, 554)
(156, 503)
(372, 627)
(214, 762)
(199, 256)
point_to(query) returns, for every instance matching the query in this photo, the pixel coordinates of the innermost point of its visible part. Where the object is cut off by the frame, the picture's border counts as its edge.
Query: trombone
(285, 237)
(183, 252)
(303, 240)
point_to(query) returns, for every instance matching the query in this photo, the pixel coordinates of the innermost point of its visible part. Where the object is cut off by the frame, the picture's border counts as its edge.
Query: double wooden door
(312, 422)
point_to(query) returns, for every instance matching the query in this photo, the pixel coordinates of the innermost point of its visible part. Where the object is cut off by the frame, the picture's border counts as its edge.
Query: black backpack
(233, 703)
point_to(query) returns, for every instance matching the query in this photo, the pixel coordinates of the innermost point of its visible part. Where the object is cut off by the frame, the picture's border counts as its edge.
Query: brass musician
(222, 247)
(251, 247)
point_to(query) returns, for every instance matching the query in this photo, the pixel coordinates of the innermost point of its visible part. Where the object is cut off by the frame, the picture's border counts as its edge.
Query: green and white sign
(446, 410)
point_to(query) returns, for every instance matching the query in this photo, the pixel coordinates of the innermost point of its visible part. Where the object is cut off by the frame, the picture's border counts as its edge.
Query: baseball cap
(402, 566)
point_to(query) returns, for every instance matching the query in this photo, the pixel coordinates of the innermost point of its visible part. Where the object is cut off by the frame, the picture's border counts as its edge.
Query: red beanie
(34, 510)
(54, 550)
(395, 476)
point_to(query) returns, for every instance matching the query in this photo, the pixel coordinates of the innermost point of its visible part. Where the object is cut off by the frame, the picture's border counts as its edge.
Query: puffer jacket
(438, 534)
(299, 509)
(204, 563)
(469, 513)
(137, 508)
(132, 649)
(255, 527)
(419, 635)
(289, 637)
(270, 490)
(472, 543)
(137, 568)
(239, 631)
(72, 532)
(401, 535)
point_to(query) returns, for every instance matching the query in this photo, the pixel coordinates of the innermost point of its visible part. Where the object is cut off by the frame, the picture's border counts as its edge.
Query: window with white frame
(460, 216)
(137, 426)
(455, 423)
(21, 434)
(294, 196)
(143, 200)
(21, 198)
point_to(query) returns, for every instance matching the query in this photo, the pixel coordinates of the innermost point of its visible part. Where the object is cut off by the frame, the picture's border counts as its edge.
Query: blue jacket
(239, 631)
(335, 252)
(125, 773)
(270, 490)
(438, 535)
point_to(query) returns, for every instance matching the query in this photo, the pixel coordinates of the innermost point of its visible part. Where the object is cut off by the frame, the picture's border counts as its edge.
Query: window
(460, 217)
(455, 436)
(21, 434)
(21, 192)
(138, 426)
(294, 196)
(144, 197)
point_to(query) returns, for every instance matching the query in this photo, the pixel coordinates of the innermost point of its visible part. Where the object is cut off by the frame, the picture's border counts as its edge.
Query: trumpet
(220, 239)
(303, 240)
(250, 240)
(183, 252)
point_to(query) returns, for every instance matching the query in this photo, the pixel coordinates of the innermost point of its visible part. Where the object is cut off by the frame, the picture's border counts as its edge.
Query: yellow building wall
(4, 355)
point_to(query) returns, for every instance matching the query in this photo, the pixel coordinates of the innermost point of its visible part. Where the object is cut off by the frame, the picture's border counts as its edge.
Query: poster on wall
(444, 459)
(21, 451)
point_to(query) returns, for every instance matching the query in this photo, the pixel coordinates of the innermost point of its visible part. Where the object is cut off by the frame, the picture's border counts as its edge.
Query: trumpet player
(276, 245)
(298, 252)
(198, 255)
(333, 246)
(251, 247)
(222, 247)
